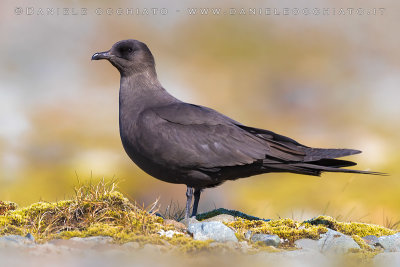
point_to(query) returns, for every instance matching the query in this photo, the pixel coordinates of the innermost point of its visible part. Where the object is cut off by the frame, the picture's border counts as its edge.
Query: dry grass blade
(174, 212)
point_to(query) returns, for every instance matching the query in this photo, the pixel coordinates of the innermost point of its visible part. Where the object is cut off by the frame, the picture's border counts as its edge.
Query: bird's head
(129, 57)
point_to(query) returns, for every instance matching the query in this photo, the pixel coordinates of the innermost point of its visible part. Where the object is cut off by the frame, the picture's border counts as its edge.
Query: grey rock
(216, 231)
(30, 237)
(333, 242)
(306, 243)
(15, 241)
(224, 218)
(372, 241)
(390, 243)
(269, 240)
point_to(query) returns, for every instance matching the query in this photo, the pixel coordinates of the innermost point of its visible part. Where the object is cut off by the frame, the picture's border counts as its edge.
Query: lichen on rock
(287, 229)
(351, 228)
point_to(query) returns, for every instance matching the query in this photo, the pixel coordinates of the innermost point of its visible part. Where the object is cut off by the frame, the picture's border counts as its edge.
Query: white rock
(216, 231)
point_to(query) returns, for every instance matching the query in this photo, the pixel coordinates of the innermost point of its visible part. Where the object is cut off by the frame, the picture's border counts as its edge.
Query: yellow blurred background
(325, 80)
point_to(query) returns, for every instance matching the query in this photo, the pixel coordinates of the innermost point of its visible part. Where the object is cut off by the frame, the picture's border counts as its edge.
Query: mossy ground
(100, 210)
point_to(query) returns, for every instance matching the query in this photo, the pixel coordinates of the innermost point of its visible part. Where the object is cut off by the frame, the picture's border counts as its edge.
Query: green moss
(361, 242)
(351, 228)
(287, 229)
(95, 210)
(6, 206)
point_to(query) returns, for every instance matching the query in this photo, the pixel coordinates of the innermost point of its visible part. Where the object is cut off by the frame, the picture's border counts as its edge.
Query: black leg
(189, 194)
(197, 193)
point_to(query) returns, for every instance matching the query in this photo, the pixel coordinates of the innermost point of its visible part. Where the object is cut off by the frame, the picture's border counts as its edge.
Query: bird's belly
(151, 165)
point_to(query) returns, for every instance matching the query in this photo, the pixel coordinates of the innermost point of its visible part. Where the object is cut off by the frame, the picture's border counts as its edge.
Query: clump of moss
(361, 242)
(6, 206)
(94, 210)
(287, 229)
(351, 228)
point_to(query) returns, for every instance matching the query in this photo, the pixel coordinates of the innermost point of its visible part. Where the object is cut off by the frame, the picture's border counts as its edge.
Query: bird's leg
(197, 193)
(189, 194)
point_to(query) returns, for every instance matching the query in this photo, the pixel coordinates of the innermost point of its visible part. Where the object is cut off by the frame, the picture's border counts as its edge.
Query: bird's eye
(130, 50)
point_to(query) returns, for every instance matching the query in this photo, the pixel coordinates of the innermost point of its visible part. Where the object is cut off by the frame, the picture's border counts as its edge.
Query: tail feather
(287, 155)
(333, 169)
(314, 154)
(315, 168)
(336, 163)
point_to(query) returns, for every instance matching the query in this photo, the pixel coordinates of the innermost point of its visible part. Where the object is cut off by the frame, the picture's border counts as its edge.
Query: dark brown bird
(182, 143)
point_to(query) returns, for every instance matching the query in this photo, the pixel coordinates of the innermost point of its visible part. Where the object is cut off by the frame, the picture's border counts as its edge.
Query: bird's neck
(140, 82)
(140, 91)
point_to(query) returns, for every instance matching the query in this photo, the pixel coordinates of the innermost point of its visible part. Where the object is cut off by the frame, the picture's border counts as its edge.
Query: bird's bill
(101, 55)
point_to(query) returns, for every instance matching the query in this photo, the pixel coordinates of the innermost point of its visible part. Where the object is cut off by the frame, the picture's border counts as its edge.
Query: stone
(390, 243)
(224, 218)
(333, 242)
(216, 231)
(372, 241)
(306, 243)
(15, 241)
(169, 233)
(30, 237)
(269, 240)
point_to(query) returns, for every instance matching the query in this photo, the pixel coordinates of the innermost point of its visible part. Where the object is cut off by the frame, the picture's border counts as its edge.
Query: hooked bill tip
(101, 55)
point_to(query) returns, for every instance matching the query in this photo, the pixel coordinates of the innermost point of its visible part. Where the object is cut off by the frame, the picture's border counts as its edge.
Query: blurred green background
(325, 80)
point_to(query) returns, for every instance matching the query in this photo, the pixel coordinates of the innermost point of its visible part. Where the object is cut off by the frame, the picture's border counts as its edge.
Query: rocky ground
(332, 248)
(100, 227)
